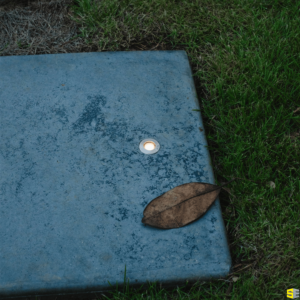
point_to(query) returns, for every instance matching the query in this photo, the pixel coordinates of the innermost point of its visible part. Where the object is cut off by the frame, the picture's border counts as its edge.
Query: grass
(246, 64)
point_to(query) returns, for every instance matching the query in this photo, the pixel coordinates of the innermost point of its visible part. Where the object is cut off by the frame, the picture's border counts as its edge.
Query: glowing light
(149, 146)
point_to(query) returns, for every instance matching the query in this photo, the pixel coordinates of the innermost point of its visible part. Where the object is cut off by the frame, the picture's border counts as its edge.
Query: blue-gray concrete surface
(74, 183)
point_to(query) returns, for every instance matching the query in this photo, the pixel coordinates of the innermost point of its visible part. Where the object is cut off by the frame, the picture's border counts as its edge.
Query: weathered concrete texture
(74, 183)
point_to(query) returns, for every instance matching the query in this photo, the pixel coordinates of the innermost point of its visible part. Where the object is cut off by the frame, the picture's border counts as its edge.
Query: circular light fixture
(149, 146)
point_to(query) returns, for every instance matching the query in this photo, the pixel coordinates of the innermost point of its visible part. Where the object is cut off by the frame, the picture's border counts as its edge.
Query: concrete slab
(74, 182)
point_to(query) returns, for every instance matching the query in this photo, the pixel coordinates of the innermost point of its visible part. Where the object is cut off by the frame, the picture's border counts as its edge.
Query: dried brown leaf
(181, 205)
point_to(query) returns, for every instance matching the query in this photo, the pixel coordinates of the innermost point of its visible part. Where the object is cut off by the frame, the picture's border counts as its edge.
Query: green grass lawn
(246, 64)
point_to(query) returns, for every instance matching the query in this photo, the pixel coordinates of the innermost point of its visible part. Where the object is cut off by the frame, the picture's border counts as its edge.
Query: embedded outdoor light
(149, 146)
